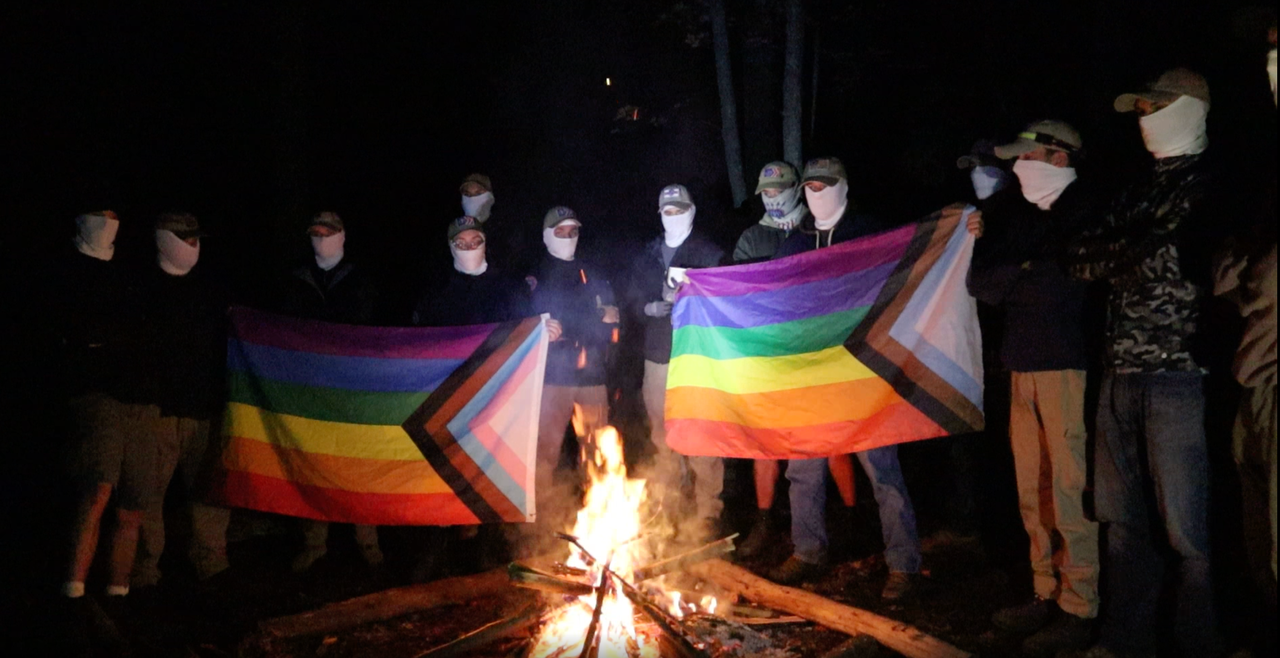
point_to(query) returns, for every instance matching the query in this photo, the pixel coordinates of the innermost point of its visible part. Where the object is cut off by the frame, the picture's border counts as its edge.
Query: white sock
(73, 590)
(117, 590)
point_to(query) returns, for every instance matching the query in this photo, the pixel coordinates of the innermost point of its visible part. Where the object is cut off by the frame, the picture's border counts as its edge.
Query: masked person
(94, 322)
(477, 197)
(654, 280)
(331, 289)
(1150, 421)
(575, 294)
(834, 221)
(987, 173)
(779, 190)
(474, 292)
(186, 362)
(1016, 268)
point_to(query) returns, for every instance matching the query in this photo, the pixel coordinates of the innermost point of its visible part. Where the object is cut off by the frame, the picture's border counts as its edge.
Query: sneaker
(306, 558)
(1024, 619)
(1066, 632)
(759, 537)
(899, 584)
(795, 571)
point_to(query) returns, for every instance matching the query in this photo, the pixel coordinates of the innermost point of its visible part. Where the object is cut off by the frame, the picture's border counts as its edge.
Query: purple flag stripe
(797, 302)
(865, 253)
(271, 330)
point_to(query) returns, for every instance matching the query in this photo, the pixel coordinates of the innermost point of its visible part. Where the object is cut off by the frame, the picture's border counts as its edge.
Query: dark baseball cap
(1170, 86)
(182, 224)
(464, 223)
(327, 219)
(478, 179)
(827, 171)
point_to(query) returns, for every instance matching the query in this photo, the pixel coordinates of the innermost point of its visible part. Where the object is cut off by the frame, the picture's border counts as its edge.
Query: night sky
(255, 115)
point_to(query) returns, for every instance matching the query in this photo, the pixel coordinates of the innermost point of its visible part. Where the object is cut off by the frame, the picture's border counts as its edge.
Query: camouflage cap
(464, 223)
(559, 215)
(776, 175)
(327, 219)
(182, 224)
(827, 171)
(478, 179)
(674, 195)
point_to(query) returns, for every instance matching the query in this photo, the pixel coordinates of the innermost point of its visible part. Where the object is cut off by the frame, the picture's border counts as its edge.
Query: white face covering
(676, 228)
(1178, 129)
(782, 211)
(562, 248)
(828, 205)
(987, 180)
(1271, 72)
(175, 256)
(1042, 183)
(328, 249)
(96, 236)
(469, 262)
(477, 206)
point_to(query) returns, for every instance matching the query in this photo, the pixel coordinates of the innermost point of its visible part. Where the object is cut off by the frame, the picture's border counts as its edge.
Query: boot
(760, 537)
(1026, 618)
(795, 571)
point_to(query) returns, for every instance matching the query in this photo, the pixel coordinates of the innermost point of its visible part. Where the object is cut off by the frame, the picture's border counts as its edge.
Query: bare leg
(88, 523)
(124, 546)
(766, 475)
(841, 467)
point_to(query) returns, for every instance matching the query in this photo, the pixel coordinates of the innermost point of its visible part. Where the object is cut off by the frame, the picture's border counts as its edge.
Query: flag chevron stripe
(427, 426)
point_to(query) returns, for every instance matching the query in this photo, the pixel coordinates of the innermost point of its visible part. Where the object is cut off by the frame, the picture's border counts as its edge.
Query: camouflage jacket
(1152, 307)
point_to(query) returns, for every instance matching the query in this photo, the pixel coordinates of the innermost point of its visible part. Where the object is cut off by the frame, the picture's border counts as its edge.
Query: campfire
(611, 602)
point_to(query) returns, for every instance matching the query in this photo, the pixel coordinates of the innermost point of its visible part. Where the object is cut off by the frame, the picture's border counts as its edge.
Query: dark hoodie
(1016, 265)
(807, 237)
(647, 281)
(572, 292)
(465, 299)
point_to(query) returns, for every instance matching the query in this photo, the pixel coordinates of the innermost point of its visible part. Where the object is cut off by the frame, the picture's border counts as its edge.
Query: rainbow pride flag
(382, 426)
(865, 344)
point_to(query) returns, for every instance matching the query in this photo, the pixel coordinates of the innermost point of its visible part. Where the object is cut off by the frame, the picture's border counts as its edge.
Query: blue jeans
(897, 517)
(1151, 425)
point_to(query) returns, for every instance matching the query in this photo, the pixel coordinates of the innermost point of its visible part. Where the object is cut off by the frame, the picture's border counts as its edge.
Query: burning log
(668, 625)
(387, 604)
(681, 562)
(465, 644)
(903, 638)
(530, 578)
(602, 590)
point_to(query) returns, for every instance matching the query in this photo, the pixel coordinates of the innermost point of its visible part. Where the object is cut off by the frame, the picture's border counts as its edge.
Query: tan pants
(556, 498)
(182, 442)
(1255, 452)
(671, 468)
(1047, 433)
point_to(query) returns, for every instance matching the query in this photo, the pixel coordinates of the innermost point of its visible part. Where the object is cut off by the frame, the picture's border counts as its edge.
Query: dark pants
(1151, 431)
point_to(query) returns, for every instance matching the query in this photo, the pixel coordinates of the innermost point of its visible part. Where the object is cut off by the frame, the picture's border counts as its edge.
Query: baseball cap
(982, 154)
(327, 219)
(1170, 86)
(1051, 134)
(674, 195)
(776, 175)
(478, 179)
(828, 171)
(464, 223)
(184, 225)
(559, 215)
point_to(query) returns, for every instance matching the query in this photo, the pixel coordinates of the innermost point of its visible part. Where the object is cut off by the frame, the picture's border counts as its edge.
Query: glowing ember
(607, 527)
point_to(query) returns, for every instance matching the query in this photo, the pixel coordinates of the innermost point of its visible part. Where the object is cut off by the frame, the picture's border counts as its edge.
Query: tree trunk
(728, 103)
(903, 638)
(791, 84)
(292, 164)
(813, 86)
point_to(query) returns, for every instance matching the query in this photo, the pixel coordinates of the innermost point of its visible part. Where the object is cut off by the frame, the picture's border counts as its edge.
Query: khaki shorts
(113, 443)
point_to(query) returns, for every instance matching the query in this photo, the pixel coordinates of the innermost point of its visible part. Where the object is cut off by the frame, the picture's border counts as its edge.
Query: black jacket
(87, 315)
(807, 237)
(758, 243)
(343, 294)
(572, 292)
(464, 299)
(1016, 265)
(186, 350)
(648, 277)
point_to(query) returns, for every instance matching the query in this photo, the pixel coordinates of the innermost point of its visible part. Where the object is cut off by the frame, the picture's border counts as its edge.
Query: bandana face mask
(1178, 129)
(828, 205)
(477, 206)
(1042, 183)
(97, 235)
(328, 249)
(781, 205)
(561, 248)
(987, 180)
(175, 256)
(676, 228)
